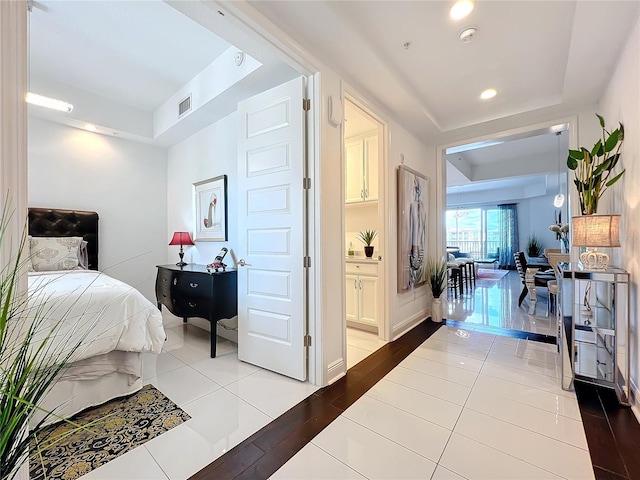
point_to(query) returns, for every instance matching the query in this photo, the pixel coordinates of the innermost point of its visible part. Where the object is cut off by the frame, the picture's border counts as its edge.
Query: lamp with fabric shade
(181, 238)
(593, 231)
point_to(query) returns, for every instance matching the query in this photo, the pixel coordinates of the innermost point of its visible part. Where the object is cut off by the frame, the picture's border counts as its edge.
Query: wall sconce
(181, 238)
(593, 231)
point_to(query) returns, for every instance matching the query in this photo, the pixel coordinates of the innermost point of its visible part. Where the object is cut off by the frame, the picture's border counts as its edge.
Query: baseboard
(336, 370)
(402, 328)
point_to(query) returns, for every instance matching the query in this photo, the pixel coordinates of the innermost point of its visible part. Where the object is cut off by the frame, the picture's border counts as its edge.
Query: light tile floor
(224, 397)
(495, 303)
(497, 412)
(465, 404)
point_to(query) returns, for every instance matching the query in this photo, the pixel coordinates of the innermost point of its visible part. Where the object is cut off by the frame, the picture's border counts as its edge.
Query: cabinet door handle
(175, 281)
(193, 285)
(366, 192)
(362, 193)
(191, 304)
(360, 284)
(355, 284)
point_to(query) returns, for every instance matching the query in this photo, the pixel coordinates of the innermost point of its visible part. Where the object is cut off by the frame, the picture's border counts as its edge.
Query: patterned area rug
(110, 429)
(486, 274)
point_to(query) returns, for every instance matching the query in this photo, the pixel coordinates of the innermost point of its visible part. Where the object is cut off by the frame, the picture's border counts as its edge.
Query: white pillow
(54, 253)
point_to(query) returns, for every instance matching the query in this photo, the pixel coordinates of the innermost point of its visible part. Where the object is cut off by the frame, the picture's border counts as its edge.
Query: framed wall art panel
(210, 210)
(413, 195)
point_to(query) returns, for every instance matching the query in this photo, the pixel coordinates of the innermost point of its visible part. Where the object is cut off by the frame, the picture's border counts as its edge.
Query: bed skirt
(120, 374)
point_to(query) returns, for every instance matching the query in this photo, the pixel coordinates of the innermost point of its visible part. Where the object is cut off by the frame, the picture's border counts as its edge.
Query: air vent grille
(184, 106)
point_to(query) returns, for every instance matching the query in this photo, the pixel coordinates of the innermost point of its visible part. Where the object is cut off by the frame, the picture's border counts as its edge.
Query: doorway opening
(499, 192)
(364, 227)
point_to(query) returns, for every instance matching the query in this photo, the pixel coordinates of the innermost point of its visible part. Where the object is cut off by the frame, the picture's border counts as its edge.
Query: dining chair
(531, 278)
(554, 260)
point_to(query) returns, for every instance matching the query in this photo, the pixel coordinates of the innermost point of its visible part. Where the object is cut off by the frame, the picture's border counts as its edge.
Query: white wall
(621, 103)
(209, 153)
(406, 309)
(535, 215)
(124, 181)
(358, 218)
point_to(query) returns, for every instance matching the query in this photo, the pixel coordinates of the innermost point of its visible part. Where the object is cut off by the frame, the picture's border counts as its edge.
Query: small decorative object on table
(217, 262)
(562, 234)
(437, 273)
(367, 237)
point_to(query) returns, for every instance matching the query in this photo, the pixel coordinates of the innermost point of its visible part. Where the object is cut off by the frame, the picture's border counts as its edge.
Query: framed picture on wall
(413, 199)
(210, 210)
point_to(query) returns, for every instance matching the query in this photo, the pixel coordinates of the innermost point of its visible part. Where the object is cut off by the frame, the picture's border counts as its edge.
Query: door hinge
(306, 104)
(307, 340)
(306, 183)
(307, 262)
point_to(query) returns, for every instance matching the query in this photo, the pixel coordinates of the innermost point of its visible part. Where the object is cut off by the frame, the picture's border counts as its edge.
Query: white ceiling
(543, 57)
(138, 53)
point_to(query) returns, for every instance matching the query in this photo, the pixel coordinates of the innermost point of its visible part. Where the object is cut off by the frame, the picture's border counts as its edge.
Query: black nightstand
(192, 291)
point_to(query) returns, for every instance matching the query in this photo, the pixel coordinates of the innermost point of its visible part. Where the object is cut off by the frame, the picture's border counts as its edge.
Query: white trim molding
(13, 124)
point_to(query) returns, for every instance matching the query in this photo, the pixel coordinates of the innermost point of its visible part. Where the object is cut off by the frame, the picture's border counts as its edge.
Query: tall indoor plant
(593, 169)
(437, 275)
(32, 354)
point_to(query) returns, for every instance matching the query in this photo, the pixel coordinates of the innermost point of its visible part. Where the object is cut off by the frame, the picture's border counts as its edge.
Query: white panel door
(272, 285)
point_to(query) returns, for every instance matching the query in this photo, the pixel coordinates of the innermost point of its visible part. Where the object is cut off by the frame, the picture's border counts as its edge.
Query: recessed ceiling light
(488, 93)
(47, 102)
(461, 9)
(91, 127)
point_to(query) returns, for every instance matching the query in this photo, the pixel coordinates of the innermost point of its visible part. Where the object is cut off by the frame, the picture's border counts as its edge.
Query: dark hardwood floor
(612, 431)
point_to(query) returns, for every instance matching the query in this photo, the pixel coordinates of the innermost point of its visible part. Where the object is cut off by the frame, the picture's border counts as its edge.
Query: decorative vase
(368, 251)
(436, 310)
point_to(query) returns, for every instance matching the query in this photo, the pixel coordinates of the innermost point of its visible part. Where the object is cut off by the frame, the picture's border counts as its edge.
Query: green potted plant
(367, 237)
(593, 169)
(534, 247)
(437, 275)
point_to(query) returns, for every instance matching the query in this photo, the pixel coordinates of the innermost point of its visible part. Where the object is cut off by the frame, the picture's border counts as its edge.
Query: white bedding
(103, 313)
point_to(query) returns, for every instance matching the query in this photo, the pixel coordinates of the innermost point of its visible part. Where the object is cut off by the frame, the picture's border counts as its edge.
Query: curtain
(508, 235)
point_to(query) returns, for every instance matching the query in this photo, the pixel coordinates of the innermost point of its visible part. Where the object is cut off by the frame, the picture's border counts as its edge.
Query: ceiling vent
(184, 106)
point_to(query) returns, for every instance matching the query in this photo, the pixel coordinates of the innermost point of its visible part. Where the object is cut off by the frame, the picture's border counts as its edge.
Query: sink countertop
(361, 259)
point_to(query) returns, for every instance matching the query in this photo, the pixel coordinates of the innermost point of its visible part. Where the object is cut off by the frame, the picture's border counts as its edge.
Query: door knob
(242, 262)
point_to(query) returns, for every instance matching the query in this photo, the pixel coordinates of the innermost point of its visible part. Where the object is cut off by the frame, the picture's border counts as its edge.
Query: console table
(195, 291)
(593, 322)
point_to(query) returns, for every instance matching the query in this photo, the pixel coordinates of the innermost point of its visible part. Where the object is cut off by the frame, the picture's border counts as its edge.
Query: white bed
(114, 323)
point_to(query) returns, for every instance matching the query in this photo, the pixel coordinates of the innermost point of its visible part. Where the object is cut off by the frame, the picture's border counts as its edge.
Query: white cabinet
(361, 173)
(362, 295)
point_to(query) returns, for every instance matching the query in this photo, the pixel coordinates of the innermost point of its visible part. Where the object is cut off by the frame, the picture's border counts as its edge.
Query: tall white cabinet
(361, 178)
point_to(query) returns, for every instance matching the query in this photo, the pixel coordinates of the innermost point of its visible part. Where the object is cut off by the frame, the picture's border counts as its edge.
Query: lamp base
(594, 260)
(181, 263)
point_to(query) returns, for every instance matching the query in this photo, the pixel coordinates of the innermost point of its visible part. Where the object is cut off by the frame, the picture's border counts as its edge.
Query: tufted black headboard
(47, 222)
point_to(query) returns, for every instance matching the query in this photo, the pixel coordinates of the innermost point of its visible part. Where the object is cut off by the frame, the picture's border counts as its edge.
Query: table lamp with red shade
(181, 238)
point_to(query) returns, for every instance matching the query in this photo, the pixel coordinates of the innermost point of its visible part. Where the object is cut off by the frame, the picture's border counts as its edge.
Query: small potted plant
(534, 248)
(367, 237)
(437, 275)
